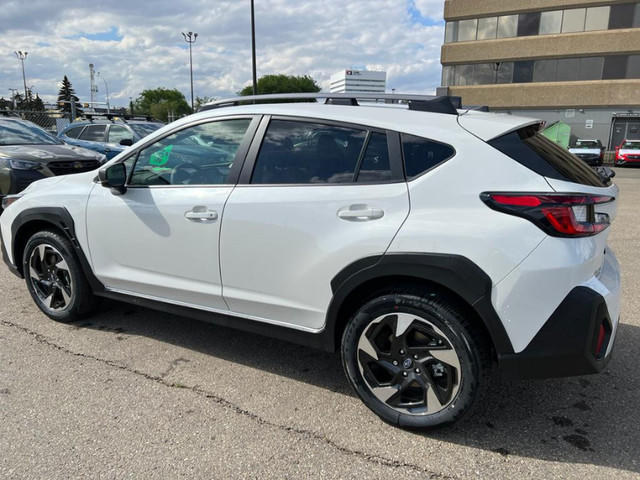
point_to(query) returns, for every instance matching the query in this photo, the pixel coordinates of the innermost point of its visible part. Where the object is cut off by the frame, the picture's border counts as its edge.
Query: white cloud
(138, 45)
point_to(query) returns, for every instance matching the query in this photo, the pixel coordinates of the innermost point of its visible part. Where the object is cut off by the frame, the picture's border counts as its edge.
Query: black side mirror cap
(127, 142)
(114, 177)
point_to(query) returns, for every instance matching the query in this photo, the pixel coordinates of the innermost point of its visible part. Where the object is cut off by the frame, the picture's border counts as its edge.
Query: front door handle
(360, 213)
(201, 214)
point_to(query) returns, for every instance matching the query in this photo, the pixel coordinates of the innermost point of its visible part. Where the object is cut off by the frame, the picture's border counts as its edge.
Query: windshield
(144, 129)
(19, 132)
(586, 144)
(631, 145)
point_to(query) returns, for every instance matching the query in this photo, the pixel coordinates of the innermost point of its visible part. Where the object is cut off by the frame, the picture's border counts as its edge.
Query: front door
(160, 238)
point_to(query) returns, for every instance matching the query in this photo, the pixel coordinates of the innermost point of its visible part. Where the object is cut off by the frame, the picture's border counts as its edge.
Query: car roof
(418, 114)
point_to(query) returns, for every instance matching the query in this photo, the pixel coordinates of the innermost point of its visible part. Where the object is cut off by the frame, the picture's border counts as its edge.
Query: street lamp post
(21, 56)
(253, 51)
(190, 38)
(106, 87)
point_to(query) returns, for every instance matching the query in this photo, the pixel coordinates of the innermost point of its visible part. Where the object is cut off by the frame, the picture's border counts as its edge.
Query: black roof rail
(419, 102)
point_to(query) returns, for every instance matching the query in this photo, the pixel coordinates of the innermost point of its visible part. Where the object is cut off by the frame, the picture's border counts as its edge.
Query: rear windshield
(586, 144)
(536, 152)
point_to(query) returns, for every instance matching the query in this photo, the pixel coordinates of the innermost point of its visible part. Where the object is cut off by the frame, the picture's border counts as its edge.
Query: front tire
(54, 277)
(415, 361)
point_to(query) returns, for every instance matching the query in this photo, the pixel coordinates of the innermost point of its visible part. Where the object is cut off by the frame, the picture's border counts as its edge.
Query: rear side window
(74, 132)
(421, 154)
(94, 133)
(536, 152)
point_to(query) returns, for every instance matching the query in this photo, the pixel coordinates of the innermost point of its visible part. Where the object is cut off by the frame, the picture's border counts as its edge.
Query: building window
(636, 16)
(633, 66)
(451, 32)
(504, 72)
(568, 70)
(621, 16)
(573, 20)
(591, 68)
(487, 28)
(550, 22)
(545, 70)
(483, 74)
(467, 30)
(447, 75)
(463, 75)
(615, 67)
(528, 24)
(523, 72)
(507, 26)
(597, 18)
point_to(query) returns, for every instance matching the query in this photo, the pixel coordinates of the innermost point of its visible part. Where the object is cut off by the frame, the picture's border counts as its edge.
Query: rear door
(313, 197)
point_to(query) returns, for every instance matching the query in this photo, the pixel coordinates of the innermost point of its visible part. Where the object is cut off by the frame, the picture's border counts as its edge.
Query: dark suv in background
(109, 134)
(29, 153)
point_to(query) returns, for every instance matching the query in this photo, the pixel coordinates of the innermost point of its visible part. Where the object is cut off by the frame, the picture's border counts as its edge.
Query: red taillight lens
(560, 215)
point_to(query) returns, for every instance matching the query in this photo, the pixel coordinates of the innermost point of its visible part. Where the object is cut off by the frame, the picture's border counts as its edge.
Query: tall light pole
(106, 87)
(21, 56)
(190, 38)
(253, 50)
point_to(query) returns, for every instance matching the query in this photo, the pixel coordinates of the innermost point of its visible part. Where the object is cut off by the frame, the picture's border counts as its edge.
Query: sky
(138, 45)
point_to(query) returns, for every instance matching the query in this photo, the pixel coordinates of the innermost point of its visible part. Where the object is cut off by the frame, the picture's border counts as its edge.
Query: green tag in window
(161, 156)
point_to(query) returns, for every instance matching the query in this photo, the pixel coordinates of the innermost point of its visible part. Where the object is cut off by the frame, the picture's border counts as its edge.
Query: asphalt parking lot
(132, 392)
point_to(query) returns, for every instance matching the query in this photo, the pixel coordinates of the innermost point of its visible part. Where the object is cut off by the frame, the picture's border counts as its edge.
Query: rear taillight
(559, 215)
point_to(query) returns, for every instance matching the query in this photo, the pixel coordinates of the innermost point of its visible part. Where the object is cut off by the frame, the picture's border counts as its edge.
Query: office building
(576, 62)
(347, 81)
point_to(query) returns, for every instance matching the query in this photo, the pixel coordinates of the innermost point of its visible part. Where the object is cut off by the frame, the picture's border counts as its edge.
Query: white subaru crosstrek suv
(426, 242)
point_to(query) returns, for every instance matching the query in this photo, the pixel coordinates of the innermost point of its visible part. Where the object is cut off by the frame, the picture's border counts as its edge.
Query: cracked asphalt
(129, 392)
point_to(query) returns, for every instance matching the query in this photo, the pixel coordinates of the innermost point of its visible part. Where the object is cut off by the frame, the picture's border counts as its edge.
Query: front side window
(197, 155)
(94, 133)
(307, 152)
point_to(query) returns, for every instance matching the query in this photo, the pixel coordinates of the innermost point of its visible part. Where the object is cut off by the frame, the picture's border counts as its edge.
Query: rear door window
(94, 133)
(74, 132)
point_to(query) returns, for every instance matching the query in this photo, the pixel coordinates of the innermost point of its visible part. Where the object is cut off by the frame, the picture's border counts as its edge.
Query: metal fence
(51, 121)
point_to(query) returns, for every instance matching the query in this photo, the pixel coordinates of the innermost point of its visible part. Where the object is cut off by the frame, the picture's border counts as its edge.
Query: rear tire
(54, 277)
(414, 360)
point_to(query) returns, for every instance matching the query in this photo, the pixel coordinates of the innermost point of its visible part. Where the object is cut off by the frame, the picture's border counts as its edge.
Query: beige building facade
(559, 60)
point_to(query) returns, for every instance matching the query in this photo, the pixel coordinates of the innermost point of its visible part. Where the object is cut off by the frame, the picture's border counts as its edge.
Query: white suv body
(430, 256)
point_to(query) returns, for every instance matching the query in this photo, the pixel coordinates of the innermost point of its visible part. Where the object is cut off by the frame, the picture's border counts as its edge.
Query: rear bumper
(578, 337)
(568, 344)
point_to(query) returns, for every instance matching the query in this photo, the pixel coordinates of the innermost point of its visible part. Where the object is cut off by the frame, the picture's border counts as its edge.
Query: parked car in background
(591, 151)
(109, 134)
(628, 152)
(29, 153)
(367, 228)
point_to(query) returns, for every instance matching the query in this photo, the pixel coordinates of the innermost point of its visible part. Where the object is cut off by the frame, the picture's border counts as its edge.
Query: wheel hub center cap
(407, 363)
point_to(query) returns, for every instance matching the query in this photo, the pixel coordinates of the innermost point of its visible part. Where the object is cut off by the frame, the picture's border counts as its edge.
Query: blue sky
(138, 45)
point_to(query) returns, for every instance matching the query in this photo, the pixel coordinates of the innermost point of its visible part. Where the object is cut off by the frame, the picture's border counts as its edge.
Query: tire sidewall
(455, 333)
(70, 312)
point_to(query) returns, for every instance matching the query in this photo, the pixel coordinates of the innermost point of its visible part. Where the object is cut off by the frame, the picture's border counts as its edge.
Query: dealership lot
(134, 392)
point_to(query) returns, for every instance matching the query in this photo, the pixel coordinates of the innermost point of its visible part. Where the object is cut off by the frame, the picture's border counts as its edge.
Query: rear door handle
(201, 214)
(360, 213)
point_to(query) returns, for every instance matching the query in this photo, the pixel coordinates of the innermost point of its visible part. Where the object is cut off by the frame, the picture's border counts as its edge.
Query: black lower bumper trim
(566, 344)
(5, 259)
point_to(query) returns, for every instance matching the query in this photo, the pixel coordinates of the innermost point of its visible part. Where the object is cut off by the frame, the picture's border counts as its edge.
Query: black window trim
(238, 161)
(415, 177)
(395, 161)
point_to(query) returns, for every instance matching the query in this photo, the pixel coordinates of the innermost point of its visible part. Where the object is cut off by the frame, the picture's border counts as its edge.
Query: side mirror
(126, 142)
(114, 177)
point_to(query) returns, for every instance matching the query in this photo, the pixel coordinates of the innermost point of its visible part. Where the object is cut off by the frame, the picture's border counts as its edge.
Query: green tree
(198, 102)
(161, 103)
(283, 84)
(65, 94)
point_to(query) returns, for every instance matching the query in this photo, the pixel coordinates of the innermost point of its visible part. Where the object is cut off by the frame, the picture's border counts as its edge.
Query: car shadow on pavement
(588, 419)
